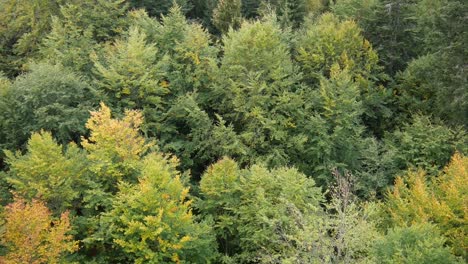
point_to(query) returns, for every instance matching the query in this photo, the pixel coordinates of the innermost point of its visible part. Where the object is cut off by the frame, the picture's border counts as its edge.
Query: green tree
(434, 85)
(424, 143)
(290, 13)
(50, 98)
(257, 91)
(389, 26)
(23, 24)
(160, 8)
(78, 30)
(329, 41)
(126, 74)
(227, 14)
(184, 121)
(153, 222)
(415, 244)
(260, 214)
(336, 132)
(46, 172)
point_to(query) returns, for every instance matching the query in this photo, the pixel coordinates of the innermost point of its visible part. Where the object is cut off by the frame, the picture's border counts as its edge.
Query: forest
(233, 131)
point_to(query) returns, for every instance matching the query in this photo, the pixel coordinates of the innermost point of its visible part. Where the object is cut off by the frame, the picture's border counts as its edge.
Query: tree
(23, 25)
(329, 41)
(127, 75)
(184, 122)
(424, 143)
(433, 85)
(326, 42)
(79, 29)
(350, 223)
(115, 146)
(336, 133)
(50, 98)
(227, 14)
(388, 25)
(161, 7)
(441, 201)
(258, 91)
(31, 235)
(260, 214)
(290, 13)
(46, 172)
(420, 243)
(153, 222)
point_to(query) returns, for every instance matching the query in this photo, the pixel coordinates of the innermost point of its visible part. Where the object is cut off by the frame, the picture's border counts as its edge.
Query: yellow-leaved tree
(115, 146)
(31, 235)
(442, 201)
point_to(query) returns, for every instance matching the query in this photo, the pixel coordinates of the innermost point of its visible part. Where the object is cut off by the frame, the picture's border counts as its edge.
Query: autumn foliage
(442, 201)
(31, 235)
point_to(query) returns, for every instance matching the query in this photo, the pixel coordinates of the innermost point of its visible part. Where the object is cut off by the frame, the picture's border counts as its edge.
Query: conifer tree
(79, 29)
(227, 14)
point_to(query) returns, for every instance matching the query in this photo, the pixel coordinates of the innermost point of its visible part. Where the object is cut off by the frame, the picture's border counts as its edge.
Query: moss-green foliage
(260, 214)
(227, 14)
(159, 8)
(328, 41)
(49, 98)
(425, 144)
(415, 244)
(285, 121)
(79, 29)
(126, 74)
(23, 25)
(258, 91)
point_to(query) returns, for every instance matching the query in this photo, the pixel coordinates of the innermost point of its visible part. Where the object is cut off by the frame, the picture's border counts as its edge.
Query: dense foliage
(233, 131)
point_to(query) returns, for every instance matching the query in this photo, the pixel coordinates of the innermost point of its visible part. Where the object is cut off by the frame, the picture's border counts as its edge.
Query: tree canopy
(233, 131)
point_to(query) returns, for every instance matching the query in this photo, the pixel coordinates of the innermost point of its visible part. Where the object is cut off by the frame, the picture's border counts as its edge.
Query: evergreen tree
(78, 30)
(127, 75)
(257, 91)
(227, 14)
(424, 143)
(160, 8)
